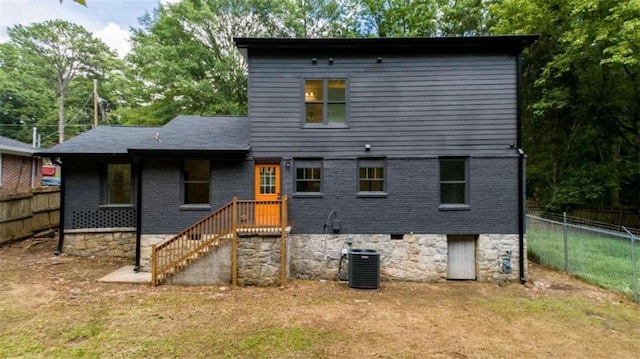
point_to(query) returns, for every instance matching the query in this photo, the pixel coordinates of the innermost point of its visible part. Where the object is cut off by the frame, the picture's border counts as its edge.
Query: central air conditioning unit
(364, 269)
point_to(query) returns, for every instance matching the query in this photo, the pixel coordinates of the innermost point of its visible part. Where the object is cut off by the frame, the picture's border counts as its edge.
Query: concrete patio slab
(127, 275)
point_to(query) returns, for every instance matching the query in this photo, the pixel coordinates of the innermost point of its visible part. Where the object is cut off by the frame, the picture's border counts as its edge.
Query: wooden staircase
(238, 216)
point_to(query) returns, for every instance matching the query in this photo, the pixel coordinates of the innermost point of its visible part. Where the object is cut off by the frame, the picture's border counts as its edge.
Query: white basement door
(461, 258)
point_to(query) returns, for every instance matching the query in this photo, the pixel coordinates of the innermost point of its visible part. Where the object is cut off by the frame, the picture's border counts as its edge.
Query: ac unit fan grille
(364, 269)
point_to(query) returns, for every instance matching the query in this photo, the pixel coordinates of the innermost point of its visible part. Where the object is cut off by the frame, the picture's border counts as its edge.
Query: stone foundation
(415, 257)
(102, 242)
(259, 260)
(146, 240)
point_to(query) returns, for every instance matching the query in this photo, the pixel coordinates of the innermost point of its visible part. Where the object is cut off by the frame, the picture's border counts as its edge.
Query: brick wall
(16, 173)
(412, 199)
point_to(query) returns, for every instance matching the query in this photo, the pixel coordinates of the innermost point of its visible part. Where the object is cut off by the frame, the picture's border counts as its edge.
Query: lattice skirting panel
(103, 218)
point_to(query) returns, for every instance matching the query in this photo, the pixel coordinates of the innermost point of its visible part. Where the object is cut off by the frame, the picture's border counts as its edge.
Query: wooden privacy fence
(621, 217)
(23, 215)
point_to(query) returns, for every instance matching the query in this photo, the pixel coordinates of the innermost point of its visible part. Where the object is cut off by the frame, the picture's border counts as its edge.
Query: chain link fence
(599, 253)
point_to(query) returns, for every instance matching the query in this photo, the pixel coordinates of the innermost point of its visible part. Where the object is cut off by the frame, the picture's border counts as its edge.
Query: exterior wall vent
(364, 269)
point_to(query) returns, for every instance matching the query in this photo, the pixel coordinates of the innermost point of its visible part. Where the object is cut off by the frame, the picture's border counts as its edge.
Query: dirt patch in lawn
(52, 306)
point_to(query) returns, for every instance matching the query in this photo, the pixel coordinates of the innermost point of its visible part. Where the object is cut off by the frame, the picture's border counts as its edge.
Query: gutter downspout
(521, 184)
(33, 171)
(521, 215)
(138, 165)
(61, 210)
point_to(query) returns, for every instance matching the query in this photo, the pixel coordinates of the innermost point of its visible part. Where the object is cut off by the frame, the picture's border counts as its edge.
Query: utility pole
(95, 103)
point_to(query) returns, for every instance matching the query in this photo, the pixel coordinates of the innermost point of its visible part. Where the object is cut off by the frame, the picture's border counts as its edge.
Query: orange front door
(267, 187)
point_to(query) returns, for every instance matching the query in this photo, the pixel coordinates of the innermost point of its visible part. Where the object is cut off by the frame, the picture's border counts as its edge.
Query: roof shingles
(8, 145)
(184, 133)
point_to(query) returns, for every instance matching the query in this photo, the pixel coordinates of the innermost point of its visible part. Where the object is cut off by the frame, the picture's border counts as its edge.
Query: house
(20, 170)
(410, 146)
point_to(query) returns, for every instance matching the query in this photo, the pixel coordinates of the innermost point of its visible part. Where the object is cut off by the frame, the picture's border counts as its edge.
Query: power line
(81, 108)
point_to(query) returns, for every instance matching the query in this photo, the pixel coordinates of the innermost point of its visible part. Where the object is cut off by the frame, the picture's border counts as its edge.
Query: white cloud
(108, 20)
(115, 37)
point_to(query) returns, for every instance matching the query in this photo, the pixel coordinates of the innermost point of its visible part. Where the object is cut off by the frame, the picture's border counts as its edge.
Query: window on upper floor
(371, 175)
(196, 180)
(308, 176)
(118, 189)
(325, 101)
(453, 182)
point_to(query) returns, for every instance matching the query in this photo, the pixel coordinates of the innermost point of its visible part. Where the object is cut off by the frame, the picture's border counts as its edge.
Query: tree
(185, 60)
(61, 52)
(23, 97)
(406, 18)
(580, 96)
(317, 18)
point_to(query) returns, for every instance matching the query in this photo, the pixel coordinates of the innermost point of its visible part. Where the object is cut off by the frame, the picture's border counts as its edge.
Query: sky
(109, 20)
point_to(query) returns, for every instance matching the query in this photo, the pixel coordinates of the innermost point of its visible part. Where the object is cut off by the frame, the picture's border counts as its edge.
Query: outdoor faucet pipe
(326, 223)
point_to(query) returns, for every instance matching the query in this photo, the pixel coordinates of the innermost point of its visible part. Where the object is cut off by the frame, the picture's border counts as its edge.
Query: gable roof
(510, 44)
(13, 147)
(184, 134)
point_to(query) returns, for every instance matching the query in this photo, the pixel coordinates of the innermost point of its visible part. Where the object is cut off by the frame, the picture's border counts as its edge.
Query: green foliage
(580, 88)
(23, 97)
(316, 18)
(402, 18)
(56, 57)
(185, 61)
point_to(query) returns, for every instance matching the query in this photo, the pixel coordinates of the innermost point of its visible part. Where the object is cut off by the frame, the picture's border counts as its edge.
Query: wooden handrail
(175, 253)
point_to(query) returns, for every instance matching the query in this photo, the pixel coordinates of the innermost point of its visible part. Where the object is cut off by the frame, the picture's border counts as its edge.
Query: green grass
(600, 260)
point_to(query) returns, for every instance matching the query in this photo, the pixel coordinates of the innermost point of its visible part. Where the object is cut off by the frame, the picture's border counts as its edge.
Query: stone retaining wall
(104, 242)
(146, 240)
(415, 257)
(259, 260)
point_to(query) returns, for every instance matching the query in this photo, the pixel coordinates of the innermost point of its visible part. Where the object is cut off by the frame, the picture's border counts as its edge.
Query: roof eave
(18, 151)
(506, 43)
(80, 154)
(189, 152)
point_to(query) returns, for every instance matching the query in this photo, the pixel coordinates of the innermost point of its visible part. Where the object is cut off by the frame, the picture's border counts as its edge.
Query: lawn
(601, 260)
(53, 307)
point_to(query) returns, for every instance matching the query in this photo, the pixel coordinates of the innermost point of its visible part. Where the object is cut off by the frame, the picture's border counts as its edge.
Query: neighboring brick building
(20, 170)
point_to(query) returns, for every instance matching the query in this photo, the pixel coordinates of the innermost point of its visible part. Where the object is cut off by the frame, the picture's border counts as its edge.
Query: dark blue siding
(404, 106)
(412, 201)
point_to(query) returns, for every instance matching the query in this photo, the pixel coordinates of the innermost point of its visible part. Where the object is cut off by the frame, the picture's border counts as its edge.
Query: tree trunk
(614, 195)
(61, 117)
